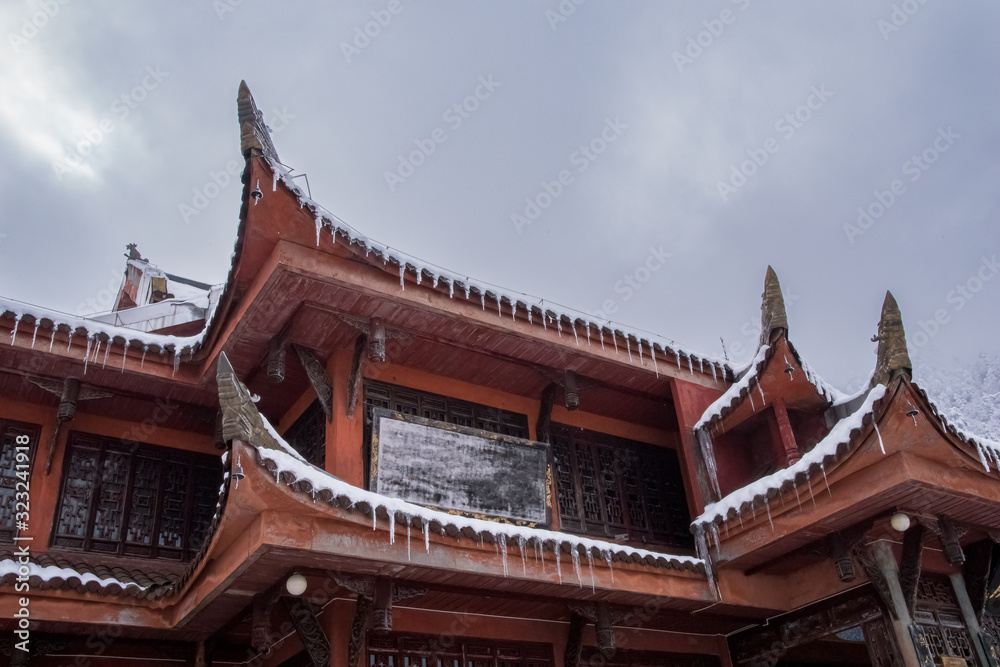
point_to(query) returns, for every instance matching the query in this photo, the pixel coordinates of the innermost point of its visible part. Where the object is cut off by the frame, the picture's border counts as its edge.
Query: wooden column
(880, 564)
(789, 448)
(969, 616)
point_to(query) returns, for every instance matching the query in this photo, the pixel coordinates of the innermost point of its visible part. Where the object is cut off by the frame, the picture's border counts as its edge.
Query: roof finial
(772, 308)
(893, 359)
(255, 135)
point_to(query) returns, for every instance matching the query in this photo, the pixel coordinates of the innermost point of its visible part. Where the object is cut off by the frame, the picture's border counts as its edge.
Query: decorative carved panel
(308, 435)
(9, 433)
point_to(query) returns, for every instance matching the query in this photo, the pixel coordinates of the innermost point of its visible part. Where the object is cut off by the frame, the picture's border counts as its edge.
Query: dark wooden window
(308, 435)
(130, 499)
(442, 408)
(399, 650)
(9, 432)
(613, 487)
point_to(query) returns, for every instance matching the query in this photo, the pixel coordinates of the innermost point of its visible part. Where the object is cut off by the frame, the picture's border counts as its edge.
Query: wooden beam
(276, 354)
(574, 640)
(309, 630)
(909, 567)
(376, 340)
(382, 605)
(543, 427)
(605, 630)
(357, 366)
(318, 378)
(949, 540)
(789, 447)
(359, 631)
(571, 391)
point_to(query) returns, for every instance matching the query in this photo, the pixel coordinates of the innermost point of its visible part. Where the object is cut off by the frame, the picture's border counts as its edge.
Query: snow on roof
(54, 573)
(813, 462)
(987, 448)
(645, 347)
(291, 469)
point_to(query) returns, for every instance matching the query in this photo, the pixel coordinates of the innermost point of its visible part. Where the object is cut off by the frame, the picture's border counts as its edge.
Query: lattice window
(630, 658)
(940, 621)
(308, 435)
(612, 487)
(442, 408)
(131, 499)
(9, 432)
(399, 650)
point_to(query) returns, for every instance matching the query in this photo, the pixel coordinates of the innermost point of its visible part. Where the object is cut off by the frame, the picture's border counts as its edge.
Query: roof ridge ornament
(893, 359)
(255, 135)
(772, 309)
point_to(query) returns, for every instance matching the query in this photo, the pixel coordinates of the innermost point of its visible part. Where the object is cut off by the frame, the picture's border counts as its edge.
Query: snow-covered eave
(987, 449)
(58, 577)
(30, 320)
(584, 330)
(319, 485)
(816, 462)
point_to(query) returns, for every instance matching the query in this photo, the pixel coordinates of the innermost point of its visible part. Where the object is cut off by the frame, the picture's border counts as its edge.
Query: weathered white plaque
(454, 468)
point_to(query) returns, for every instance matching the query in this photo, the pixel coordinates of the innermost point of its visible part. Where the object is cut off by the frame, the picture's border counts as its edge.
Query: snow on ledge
(756, 492)
(722, 402)
(504, 534)
(51, 572)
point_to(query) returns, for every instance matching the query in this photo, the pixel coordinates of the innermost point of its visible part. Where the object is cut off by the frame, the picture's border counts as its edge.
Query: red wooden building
(342, 456)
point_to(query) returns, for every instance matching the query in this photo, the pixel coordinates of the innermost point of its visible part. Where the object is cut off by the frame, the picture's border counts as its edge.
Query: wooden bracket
(318, 378)
(543, 427)
(950, 535)
(277, 352)
(70, 392)
(571, 391)
(261, 638)
(309, 630)
(357, 373)
(909, 566)
(574, 640)
(359, 631)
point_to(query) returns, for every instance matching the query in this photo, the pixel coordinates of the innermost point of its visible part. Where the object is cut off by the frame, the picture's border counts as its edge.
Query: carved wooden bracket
(318, 378)
(604, 617)
(309, 630)
(571, 392)
(359, 630)
(543, 427)
(70, 392)
(909, 566)
(867, 559)
(376, 334)
(261, 638)
(574, 640)
(950, 536)
(276, 354)
(357, 372)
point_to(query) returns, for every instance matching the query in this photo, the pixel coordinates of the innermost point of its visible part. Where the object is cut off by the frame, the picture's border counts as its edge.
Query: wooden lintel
(382, 605)
(357, 373)
(909, 566)
(309, 630)
(318, 378)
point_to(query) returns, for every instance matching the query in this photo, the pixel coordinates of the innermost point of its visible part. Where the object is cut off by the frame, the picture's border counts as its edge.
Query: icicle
(13, 334)
(502, 541)
(713, 531)
(52, 336)
(482, 297)
(714, 376)
(652, 351)
(559, 325)
(177, 360)
(408, 522)
(678, 355)
(513, 311)
(420, 274)
(451, 289)
(590, 564)
(763, 401)
(435, 283)
(753, 510)
(607, 559)
(69, 340)
(427, 534)
(540, 547)
(767, 506)
(106, 351)
(124, 355)
(374, 518)
(601, 331)
(823, 470)
(690, 365)
(35, 333)
(575, 555)
(628, 346)
(142, 363)
(701, 547)
(811, 496)
(545, 317)
(274, 182)
(708, 453)
(614, 339)
(558, 562)
(750, 396)
(402, 273)
(468, 289)
(521, 544)
(739, 515)
(701, 365)
(576, 337)
(499, 307)
(530, 308)
(588, 334)
(97, 351)
(797, 497)
(880, 443)
(319, 227)
(392, 526)
(86, 355)
(982, 457)
(639, 341)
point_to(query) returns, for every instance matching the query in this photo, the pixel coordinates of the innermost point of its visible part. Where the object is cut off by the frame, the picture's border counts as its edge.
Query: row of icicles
(93, 352)
(547, 319)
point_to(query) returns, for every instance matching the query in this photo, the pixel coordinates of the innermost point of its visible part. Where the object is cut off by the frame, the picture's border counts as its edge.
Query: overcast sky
(728, 135)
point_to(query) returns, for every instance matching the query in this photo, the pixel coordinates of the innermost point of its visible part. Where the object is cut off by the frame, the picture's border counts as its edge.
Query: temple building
(343, 456)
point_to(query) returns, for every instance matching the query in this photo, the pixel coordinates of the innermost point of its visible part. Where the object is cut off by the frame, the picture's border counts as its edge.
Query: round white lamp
(899, 522)
(296, 584)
